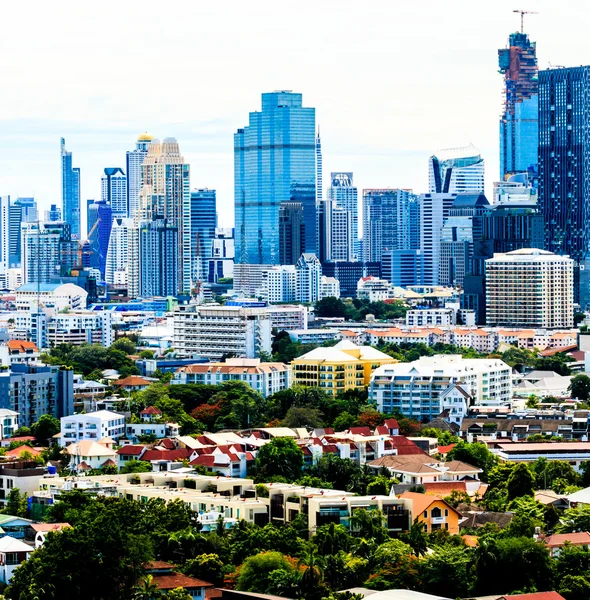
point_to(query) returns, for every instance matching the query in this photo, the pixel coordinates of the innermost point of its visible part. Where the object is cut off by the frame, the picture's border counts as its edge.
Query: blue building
(203, 226)
(70, 191)
(519, 124)
(100, 221)
(274, 162)
(114, 191)
(564, 180)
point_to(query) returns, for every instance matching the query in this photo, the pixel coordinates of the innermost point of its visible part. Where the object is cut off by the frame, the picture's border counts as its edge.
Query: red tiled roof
(391, 423)
(382, 430)
(132, 381)
(151, 410)
(175, 580)
(534, 596)
(553, 351)
(109, 463)
(37, 527)
(470, 540)
(446, 449)
(167, 443)
(130, 450)
(22, 438)
(21, 346)
(360, 431)
(577, 539)
(158, 564)
(179, 454)
(444, 488)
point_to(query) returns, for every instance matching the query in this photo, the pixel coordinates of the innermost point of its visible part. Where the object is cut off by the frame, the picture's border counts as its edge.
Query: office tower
(114, 191)
(70, 192)
(340, 244)
(434, 209)
(21, 210)
(519, 122)
(348, 273)
(53, 214)
(402, 268)
(203, 226)
(274, 162)
(28, 208)
(345, 195)
(221, 262)
(456, 171)
(291, 232)
(564, 180)
(309, 277)
(391, 221)
(134, 161)
(461, 230)
(118, 253)
(165, 195)
(100, 218)
(530, 288)
(158, 258)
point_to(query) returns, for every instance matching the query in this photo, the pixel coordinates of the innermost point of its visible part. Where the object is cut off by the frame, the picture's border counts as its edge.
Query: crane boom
(522, 14)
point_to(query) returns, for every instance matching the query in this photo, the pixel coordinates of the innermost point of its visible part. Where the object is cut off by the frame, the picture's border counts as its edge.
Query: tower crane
(522, 14)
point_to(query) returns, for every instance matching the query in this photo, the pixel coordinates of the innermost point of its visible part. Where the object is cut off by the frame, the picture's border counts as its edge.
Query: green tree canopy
(282, 457)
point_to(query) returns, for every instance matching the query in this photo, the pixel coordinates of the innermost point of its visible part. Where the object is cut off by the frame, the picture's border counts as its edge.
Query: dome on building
(145, 137)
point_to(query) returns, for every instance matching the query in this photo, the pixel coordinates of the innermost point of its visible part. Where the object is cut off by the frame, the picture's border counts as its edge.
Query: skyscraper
(345, 195)
(53, 214)
(165, 195)
(135, 159)
(70, 191)
(158, 258)
(456, 171)
(5, 233)
(203, 225)
(100, 218)
(118, 253)
(274, 162)
(114, 191)
(519, 123)
(564, 180)
(434, 209)
(391, 221)
(291, 232)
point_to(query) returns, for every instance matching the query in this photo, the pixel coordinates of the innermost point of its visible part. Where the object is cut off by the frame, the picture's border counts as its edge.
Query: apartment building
(217, 331)
(421, 389)
(342, 367)
(530, 288)
(266, 378)
(92, 426)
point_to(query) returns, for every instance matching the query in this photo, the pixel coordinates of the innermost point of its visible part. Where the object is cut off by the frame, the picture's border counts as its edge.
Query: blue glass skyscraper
(100, 220)
(519, 126)
(203, 225)
(70, 191)
(564, 179)
(274, 162)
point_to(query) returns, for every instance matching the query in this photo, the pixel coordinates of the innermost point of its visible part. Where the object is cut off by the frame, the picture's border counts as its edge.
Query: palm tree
(312, 575)
(147, 589)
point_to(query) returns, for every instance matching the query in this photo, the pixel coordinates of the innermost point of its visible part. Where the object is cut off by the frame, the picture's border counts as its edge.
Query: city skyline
(384, 138)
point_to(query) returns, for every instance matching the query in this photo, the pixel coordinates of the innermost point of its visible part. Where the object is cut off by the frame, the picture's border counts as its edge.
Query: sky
(392, 81)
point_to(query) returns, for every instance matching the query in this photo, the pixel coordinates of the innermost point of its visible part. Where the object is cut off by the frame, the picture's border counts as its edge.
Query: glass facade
(519, 125)
(274, 162)
(114, 191)
(100, 220)
(203, 226)
(564, 180)
(70, 191)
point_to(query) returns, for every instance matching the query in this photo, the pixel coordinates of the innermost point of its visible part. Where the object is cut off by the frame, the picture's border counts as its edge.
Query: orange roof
(21, 346)
(421, 502)
(576, 539)
(132, 381)
(470, 540)
(171, 581)
(444, 488)
(552, 351)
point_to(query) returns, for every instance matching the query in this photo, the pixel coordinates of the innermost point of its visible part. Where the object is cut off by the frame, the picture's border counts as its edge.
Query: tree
(255, 571)
(476, 454)
(379, 486)
(137, 466)
(280, 456)
(344, 421)
(521, 482)
(207, 567)
(45, 428)
(330, 307)
(446, 572)
(575, 519)
(146, 354)
(575, 587)
(580, 387)
(125, 345)
(303, 417)
(16, 505)
(147, 589)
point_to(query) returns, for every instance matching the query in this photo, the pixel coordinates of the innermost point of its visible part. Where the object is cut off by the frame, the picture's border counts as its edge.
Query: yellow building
(434, 512)
(342, 367)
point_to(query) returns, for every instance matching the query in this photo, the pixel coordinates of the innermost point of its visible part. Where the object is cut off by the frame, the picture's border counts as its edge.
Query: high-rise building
(434, 209)
(274, 162)
(203, 226)
(291, 232)
(348, 273)
(461, 230)
(402, 268)
(519, 123)
(5, 233)
(564, 180)
(340, 240)
(457, 171)
(319, 190)
(28, 208)
(158, 258)
(530, 288)
(100, 219)
(165, 208)
(344, 194)
(391, 221)
(114, 191)
(135, 159)
(309, 277)
(118, 252)
(221, 261)
(53, 214)
(70, 192)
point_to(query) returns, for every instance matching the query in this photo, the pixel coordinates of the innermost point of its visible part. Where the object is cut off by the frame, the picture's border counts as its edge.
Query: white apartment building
(92, 426)
(59, 296)
(530, 288)
(287, 316)
(313, 336)
(266, 378)
(215, 331)
(93, 327)
(374, 289)
(118, 252)
(329, 287)
(287, 283)
(417, 389)
(431, 317)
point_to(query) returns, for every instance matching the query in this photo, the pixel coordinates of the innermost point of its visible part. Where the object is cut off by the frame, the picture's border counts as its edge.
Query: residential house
(133, 383)
(433, 512)
(167, 579)
(37, 532)
(13, 553)
(86, 454)
(557, 541)
(151, 414)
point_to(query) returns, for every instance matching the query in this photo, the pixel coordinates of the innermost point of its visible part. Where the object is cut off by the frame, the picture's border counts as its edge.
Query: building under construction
(519, 123)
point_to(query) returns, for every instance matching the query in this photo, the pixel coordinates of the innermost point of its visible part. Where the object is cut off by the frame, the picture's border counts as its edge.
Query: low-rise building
(86, 455)
(18, 352)
(374, 289)
(431, 317)
(13, 553)
(266, 378)
(418, 389)
(433, 512)
(132, 383)
(134, 431)
(575, 453)
(313, 336)
(58, 296)
(342, 367)
(23, 475)
(92, 426)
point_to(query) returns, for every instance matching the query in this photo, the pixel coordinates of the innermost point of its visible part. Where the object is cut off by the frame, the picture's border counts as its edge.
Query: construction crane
(522, 14)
